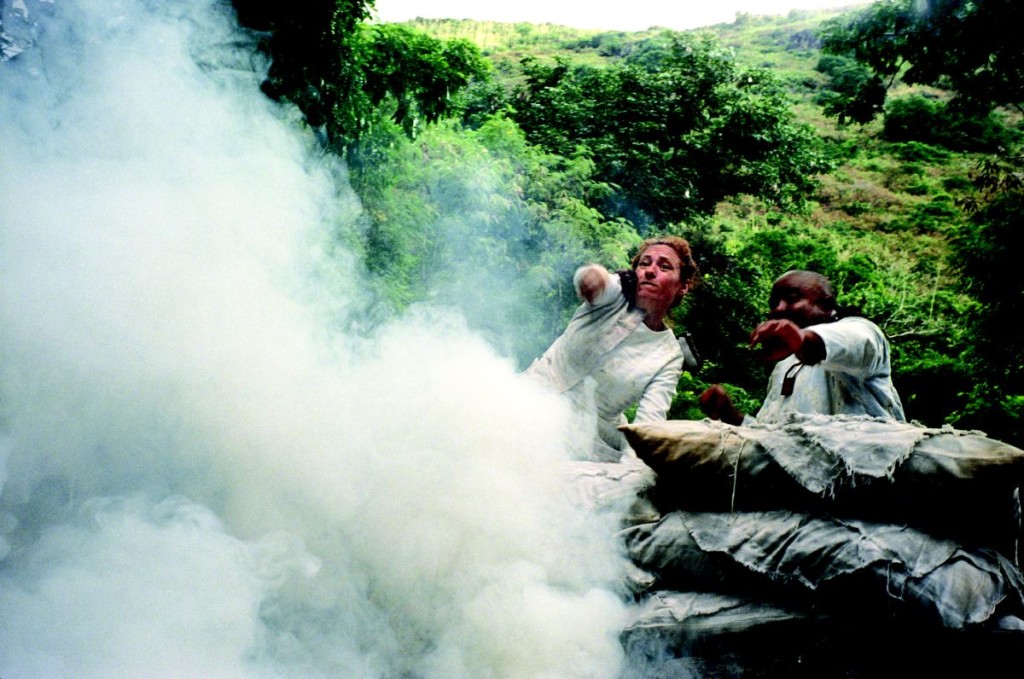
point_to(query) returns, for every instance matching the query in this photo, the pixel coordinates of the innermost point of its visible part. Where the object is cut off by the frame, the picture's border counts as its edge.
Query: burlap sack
(681, 618)
(830, 565)
(951, 483)
(612, 487)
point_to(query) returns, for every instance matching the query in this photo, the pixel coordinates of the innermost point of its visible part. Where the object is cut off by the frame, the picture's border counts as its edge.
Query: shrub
(918, 119)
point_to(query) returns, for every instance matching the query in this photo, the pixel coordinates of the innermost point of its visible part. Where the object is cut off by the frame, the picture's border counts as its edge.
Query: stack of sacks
(622, 490)
(825, 518)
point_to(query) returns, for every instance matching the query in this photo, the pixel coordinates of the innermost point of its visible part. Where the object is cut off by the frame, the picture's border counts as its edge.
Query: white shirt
(854, 379)
(607, 360)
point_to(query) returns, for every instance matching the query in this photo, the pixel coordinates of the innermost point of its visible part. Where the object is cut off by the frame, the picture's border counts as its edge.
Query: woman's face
(657, 273)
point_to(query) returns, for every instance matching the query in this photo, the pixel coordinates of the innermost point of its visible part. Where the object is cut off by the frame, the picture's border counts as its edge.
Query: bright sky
(625, 15)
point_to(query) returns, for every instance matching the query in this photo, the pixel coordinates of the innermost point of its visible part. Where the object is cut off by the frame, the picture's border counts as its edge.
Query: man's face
(799, 298)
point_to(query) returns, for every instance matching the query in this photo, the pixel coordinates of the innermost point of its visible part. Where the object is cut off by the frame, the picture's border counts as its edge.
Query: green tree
(969, 47)
(346, 76)
(856, 95)
(676, 132)
(468, 217)
(995, 350)
(916, 118)
(312, 46)
(416, 73)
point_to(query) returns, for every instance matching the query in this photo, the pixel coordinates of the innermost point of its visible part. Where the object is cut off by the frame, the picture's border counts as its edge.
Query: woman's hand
(591, 282)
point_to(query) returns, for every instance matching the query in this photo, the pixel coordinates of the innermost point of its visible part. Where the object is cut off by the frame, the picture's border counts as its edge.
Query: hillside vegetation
(493, 159)
(884, 216)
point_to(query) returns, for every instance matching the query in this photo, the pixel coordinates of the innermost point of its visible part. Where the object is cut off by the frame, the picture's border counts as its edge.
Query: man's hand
(778, 338)
(716, 404)
(591, 282)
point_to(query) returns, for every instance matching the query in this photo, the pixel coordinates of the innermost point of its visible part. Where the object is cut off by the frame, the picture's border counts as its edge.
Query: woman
(616, 350)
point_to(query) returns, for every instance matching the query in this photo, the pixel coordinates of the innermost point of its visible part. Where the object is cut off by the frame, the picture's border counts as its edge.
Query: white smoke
(196, 478)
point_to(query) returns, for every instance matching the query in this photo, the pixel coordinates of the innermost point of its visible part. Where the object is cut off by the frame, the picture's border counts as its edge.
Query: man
(825, 364)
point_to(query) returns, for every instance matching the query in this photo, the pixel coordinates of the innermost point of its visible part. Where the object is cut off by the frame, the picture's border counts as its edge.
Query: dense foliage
(312, 46)
(968, 47)
(482, 220)
(346, 76)
(492, 159)
(677, 131)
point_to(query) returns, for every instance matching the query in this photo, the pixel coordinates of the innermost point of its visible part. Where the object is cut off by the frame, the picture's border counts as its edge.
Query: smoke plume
(199, 478)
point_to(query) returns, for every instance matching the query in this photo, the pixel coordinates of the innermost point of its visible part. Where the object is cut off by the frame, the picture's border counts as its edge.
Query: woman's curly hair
(688, 268)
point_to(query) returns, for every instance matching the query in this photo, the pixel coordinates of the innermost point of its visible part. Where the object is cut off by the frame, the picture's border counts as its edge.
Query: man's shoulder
(849, 323)
(850, 329)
